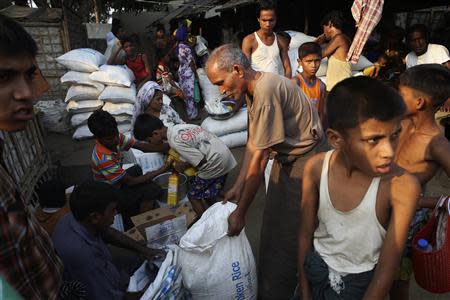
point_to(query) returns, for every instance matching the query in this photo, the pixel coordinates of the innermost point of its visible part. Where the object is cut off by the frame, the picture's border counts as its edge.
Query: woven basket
(432, 269)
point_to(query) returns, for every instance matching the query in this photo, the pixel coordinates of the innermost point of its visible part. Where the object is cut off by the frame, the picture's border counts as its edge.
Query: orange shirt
(313, 91)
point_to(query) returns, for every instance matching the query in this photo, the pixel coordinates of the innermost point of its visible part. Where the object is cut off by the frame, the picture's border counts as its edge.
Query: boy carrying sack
(357, 203)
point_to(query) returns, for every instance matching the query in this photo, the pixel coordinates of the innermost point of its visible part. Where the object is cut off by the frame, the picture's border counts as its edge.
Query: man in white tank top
(356, 203)
(266, 51)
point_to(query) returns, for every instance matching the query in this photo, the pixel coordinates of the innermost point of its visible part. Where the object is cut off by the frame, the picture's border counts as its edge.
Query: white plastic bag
(148, 162)
(118, 94)
(168, 283)
(82, 60)
(82, 92)
(119, 108)
(214, 265)
(117, 75)
(236, 123)
(235, 139)
(83, 106)
(73, 77)
(201, 47)
(210, 92)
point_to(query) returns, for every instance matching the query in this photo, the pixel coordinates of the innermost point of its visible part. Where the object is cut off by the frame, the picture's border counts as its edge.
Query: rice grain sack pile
(94, 84)
(233, 131)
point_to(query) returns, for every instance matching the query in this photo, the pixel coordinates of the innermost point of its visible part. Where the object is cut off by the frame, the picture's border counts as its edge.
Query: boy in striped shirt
(137, 191)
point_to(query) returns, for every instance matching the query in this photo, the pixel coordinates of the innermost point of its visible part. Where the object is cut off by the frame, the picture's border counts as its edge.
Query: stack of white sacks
(233, 131)
(96, 85)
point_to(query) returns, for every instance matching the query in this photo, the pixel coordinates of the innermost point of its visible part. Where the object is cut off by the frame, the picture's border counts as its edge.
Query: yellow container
(172, 189)
(174, 156)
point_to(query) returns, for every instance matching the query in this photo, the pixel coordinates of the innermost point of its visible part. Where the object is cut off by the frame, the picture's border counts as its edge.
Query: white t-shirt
(436, 54)
(194, 143)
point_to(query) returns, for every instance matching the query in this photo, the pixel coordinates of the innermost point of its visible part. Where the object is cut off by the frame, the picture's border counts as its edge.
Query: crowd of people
(350, 161)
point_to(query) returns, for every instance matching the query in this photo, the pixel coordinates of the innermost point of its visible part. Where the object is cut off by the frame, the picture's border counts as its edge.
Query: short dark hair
(14, 40)
(144, 126)
(91, 196)
(430, 79)
(127, 39)
(309, 48)
(266, 5)
(357, 99)
(51, 193)
(102, 124)
(336, 18)
(417, 28)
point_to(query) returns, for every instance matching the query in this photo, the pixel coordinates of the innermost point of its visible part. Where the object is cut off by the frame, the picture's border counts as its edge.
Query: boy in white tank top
(357, 204)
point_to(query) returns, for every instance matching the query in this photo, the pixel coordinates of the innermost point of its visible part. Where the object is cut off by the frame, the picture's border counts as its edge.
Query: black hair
(430, 79)
(127, 39)
(266, 5)
(336, 18)
(102, 124)
(309, 48)
(91, 196)
(116, 26)
(144, 126)
(285, 35)
(356, 99)
(52, 193)
(14, 40)
(417, 28)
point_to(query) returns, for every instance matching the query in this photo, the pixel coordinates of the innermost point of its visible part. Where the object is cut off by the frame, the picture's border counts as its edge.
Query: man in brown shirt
(284, 125)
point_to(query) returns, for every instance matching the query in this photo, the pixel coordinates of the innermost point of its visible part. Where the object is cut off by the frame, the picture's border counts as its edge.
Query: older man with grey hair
(282, 125)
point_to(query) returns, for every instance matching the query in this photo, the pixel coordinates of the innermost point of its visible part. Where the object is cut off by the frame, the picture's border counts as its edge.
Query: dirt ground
(72, 162)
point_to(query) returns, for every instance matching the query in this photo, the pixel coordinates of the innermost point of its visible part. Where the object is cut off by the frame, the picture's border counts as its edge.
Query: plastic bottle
(172, 189)
(424, 246)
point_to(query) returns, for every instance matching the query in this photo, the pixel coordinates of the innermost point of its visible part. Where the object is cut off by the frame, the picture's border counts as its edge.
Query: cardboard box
(157, 216)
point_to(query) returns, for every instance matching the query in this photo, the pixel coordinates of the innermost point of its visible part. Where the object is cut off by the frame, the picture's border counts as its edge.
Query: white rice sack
(222, 127)
(82, 60)
(236, 139)
(80, 119)
(298, 38)
(119, 108)
(118, 94)
(83, 132)
(362, 63)
(114, 75)
(210, 92)
(82, 92)
(79, 78)
(83, 106)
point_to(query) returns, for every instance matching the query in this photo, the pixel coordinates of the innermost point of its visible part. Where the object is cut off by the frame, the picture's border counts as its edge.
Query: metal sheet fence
(27, 159)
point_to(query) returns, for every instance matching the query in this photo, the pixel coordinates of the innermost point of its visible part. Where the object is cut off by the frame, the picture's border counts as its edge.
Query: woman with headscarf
(150, 101)
(186, 71)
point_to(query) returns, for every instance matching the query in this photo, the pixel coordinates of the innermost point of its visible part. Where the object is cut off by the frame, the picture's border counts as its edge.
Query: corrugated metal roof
(235, 3)
(20, 13)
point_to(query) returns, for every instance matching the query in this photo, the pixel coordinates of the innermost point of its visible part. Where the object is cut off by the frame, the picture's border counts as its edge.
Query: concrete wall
(49, 39)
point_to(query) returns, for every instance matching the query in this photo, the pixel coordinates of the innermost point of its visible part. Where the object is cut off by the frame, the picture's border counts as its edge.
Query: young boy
(138, 63)
(336, 48)
(423, 149)
(80, 239)
(52, 204)
(357, 204)
(137, 191)
(199, 149)
(309, 58)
